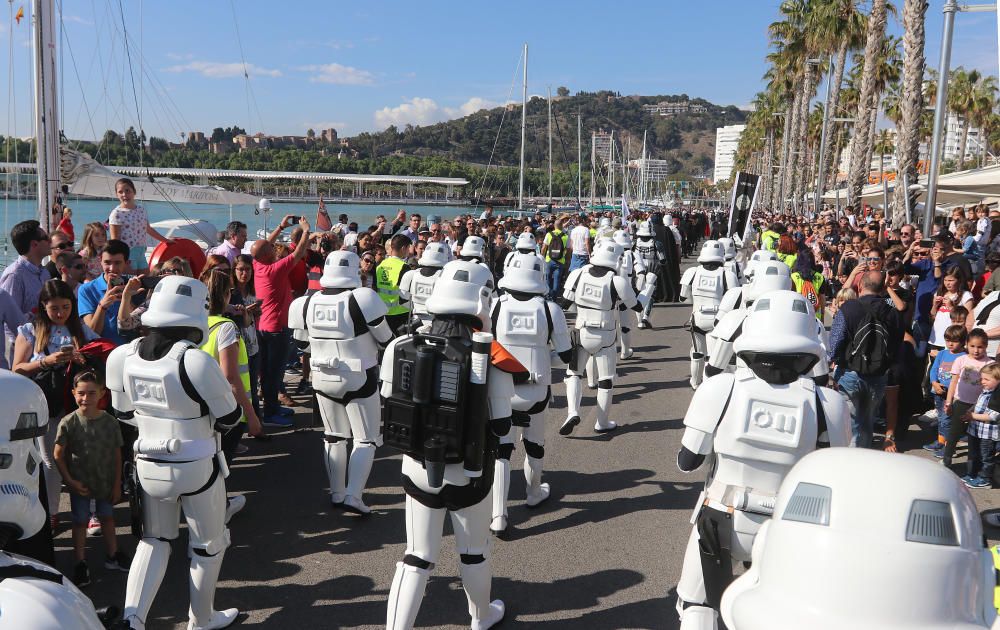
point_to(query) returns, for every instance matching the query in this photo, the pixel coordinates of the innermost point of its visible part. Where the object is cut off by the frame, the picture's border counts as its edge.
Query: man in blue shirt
(99, 299)
(930, 265)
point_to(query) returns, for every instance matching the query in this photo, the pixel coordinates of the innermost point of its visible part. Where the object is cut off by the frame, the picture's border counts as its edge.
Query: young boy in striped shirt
(984, 432)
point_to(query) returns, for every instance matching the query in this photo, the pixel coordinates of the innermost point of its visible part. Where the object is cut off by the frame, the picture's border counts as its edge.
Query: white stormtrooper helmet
(606, 254)
(526, 242)
(850, 523)
(758, 258)
(712, 252)
(179, 301)
(342, 270)
(435, 255)
(473, 247)
(524, 274)
(643, 230)
(604, 223)
(622, 238)
(464, 288)
(729, 246)
(779, 341)
(26, 418)
(770, 276)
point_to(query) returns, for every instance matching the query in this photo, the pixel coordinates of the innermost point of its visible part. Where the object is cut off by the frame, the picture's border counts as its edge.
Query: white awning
(981, 185)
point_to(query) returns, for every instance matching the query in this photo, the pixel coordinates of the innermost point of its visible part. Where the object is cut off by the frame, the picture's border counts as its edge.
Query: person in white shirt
(579, 244)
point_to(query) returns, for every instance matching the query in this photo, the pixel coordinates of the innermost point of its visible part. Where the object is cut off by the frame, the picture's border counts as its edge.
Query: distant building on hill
(727, 139)
(672, 108)
(328, 135)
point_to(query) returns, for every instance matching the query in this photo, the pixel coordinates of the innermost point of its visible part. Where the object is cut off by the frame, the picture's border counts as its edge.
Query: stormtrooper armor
(632, 269)
(180, 401)
(527, 325)
(880, 520)
(733, 311)
(759, 257)
(704, 286)
(416, 285)
(758, 423)
(526, 244)
(731, 264)
(447, 403)
(604, 229)
(32, 594)
(345, 322)
(649, 251)
(599, 293)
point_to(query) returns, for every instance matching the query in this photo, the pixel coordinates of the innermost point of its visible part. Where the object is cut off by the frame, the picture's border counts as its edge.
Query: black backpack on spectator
(556, 246)
(868, 352)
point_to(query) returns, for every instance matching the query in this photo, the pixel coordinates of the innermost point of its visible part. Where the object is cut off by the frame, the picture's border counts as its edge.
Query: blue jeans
(943, 420)
(865, 394)
(553, 276)
(578, 260)
(80, 508)
(982, 453)
(274, 347)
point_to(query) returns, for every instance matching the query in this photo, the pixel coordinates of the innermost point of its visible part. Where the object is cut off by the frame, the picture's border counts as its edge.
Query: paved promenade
(604, 552)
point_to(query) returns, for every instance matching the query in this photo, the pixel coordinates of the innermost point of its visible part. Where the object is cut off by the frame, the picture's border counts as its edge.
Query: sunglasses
(63, 246)
(170, 271)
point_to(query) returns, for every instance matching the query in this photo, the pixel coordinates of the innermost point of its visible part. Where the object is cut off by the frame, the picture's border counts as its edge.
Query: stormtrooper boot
(405, 596)
(336, 469)
(627, 351)
(697, 368)
(592, 373)
(234, 505)
(501, 488)
(204, 576)
(603, 424)
(477, 580)
(538, 492)
(357, 476)
(144, 577)
(574, 395)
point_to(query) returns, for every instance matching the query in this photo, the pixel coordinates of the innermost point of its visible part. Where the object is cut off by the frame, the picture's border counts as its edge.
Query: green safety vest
(548, 241)
(817, 282)
(387, 276)
(211, 346)
(769, 240)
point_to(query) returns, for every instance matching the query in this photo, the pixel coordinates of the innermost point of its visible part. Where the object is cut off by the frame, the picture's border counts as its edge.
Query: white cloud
(338, 74)
(220, 70)
(425, 111)
(77, 19)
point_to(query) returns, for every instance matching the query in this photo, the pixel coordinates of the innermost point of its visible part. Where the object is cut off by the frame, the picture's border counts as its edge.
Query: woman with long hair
(95, 237)
(244, 295)
(51, 341)
(787, 250)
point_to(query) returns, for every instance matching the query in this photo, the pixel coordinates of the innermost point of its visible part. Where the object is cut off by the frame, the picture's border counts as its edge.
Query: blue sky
(361, 66)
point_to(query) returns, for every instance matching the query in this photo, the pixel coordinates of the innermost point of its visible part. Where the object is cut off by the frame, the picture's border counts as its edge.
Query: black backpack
(868, 352)
(556, 246)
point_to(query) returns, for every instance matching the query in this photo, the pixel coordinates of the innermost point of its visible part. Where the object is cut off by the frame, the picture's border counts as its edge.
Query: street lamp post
(940, 110)
(821, 171)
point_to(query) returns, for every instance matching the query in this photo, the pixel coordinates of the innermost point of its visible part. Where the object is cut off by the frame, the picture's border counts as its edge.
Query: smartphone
(149, 282)
(294, 218)
(117, 281)
(66, 348)
(927, 242)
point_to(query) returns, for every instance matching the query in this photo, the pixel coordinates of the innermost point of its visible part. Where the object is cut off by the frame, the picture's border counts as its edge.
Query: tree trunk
(832, 105)
(794, 146)
(785, 150)
(911, 104)
(873, 123)
(802, 140)
(867, 100)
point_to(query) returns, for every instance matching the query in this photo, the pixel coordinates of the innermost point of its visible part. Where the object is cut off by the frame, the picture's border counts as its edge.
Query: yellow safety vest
(769, 240)
(211, 346)
(562, 236)
(387, 276)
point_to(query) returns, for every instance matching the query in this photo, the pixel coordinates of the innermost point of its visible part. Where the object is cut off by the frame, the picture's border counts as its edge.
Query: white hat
(712, 251)
(525, 273)
(342, 270)
(463, 288)
(606, 254)
(26, 418)
(866, 539)
(435, 255)
(179, 301)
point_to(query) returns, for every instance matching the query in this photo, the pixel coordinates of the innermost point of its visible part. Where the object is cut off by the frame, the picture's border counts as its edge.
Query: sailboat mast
(550, 147)
(579, 160)
(642, 172)
(611, 169)
(593, 163)
(46, 119)
(524, 124)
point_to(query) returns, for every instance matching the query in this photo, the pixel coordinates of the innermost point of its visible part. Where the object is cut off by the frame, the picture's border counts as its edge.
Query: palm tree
(868, 100)
(910, 105)
(789, 37)
(981, 106)
(961, 94)
(883, 145)
(888, 66)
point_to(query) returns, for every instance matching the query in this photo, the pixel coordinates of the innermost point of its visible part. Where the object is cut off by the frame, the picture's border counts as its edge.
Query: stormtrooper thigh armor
(757, 432)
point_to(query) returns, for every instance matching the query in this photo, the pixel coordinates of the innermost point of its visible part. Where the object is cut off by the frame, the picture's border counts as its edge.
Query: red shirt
(66, 227)
(297, 278)
(274, 290)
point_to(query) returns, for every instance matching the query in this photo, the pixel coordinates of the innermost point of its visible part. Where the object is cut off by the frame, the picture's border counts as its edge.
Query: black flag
(741, 207)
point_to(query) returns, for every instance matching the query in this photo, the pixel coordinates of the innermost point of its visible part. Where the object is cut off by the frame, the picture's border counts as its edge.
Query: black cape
(669, 283)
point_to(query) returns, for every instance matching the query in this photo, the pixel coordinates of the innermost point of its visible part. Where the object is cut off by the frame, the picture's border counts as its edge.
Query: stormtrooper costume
(758, 423)
(32, 594)
(880, 521)
(733, 310)
(632, 269)
(648, 250)
(448, 424)
(474, 250)
(731, 264)
(599, 293)
(759, 257)
(416, 285)
(604, 229)
(527, 325)
(180, 401)
(344, 323)
(526, 244)
(704, 286)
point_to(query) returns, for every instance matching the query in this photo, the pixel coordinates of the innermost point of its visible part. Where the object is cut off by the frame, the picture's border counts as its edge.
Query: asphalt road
(604, 552)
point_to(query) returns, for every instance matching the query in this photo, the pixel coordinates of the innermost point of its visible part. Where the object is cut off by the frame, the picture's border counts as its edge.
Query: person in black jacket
(670, 270)
(864, 391)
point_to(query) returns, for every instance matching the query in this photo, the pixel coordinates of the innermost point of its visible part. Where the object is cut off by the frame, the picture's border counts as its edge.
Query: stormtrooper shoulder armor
(569, 290)
(561, 341)
(371, 305)
(211, 384)
(386, 368)
(707, 408)
(837, 415)
(729, 327)
(115, 382)
(625, 292)
(296, 313)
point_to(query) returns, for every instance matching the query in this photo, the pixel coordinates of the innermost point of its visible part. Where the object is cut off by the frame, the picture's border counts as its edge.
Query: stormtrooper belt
(743, 500)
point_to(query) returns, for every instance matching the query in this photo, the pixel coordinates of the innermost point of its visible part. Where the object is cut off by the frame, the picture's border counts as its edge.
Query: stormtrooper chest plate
(329, 317)
(522, 323)
(708, 286)
(156, 390)
(594, 292)
(421, 288)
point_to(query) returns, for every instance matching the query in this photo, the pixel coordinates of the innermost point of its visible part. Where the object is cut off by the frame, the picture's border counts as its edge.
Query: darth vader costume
(668, 286)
